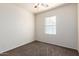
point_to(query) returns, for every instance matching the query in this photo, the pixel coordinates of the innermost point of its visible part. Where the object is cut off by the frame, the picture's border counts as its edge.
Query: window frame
(50, 25)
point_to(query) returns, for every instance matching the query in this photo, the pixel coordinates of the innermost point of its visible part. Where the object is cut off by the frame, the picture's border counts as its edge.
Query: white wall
(16, 27)
(66, 26)
(78, 26)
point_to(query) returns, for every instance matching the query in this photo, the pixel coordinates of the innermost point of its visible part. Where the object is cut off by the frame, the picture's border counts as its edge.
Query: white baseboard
(15, 47)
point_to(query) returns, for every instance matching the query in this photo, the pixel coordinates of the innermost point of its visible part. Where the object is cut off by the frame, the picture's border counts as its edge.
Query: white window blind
(50, 25)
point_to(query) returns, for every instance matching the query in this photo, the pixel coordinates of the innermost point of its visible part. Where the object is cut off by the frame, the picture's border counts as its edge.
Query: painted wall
(66, 26)
(16, 27)
(78, 26)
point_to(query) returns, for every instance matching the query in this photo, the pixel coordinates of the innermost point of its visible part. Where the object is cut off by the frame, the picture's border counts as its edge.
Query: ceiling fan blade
(40, 4)
(45, 5)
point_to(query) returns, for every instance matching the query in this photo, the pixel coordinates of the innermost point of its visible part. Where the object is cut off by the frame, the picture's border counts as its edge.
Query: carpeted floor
(37, 48)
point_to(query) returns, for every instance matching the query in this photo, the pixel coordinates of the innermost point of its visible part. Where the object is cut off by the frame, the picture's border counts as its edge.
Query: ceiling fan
(40, 4)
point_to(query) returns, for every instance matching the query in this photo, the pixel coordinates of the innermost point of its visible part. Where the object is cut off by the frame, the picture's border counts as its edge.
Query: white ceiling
(30, 7)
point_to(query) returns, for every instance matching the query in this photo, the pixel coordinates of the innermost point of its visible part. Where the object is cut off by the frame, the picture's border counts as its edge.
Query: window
(50, 25)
